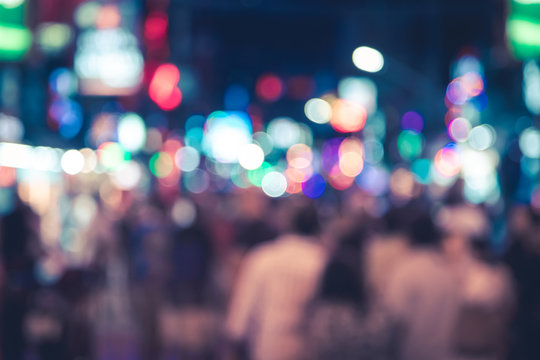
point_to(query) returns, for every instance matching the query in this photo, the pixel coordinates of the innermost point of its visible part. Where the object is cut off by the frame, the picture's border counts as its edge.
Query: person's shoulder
(261, 251)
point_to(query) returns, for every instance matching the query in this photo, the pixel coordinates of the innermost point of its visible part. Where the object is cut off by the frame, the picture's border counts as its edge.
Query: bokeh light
(66, 116)
(196, 181)
(402, 184)
(90, 160)
(127, 176)
(299, 156)
(8, 176)
(338, 180)
(86, 13)
(72, 162)
(456, 93)
(274, 184)
(63, 82)
(410, 144)
(531, 84)
(529, 143)
(374, 180)
(421, 169)
(473, 83)
(161, 164)
(412, 120)
(264, 141)
(284, 132)
(368, 59)
(314, 187)
(251, 156)
(318, 110)
(348, 116)
(11, 128)
(359, 90)
(226, 133)
(351, 157)
(459, 129)
(187, 158)
(269, 87)
(131, 132)
(155, 26)
(373, 151)
(112, 155)
(163, 88)
(256, 176)
(482, 137)
(84, 209)
(52, 38)
(448, 161)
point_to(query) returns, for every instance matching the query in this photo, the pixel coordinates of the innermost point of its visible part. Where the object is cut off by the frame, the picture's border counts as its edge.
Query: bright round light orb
(72, 162)
(482, 137)
(318, 111)
(251, 157)
(459, 129)
(274, 184)
(299, 156)
(529, 143)
(348, 116)
(127, 176)
(368, 59)
(187, 158)
(132, 132)
(284, 132)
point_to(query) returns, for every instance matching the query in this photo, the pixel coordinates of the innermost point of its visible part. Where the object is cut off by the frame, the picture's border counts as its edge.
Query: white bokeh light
(132, 132)
(368, 59)
(72, 162)
(187, 158)
(318, 111)
(251, 156)
(274, 184)
(128, 176)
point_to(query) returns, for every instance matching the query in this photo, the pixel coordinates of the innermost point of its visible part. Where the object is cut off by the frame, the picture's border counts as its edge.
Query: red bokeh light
(300, 87)
(269, 87)
(163, 89)
(155, 27)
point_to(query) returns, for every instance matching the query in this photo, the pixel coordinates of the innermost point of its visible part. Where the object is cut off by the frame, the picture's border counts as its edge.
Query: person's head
(305, 220)
(422, 230)
(340, 283)
(465, 228)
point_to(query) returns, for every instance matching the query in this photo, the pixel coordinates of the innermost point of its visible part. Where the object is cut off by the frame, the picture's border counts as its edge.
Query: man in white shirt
(276, 282)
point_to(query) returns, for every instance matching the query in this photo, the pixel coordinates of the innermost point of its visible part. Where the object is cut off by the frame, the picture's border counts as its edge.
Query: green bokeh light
(256, 176)
(409, 145)
(421, 170)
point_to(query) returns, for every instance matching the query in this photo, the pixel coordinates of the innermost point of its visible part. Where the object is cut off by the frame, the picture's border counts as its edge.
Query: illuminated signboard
(15, 38)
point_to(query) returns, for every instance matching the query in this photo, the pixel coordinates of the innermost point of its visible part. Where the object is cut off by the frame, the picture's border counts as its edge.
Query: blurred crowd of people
(289, 278)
